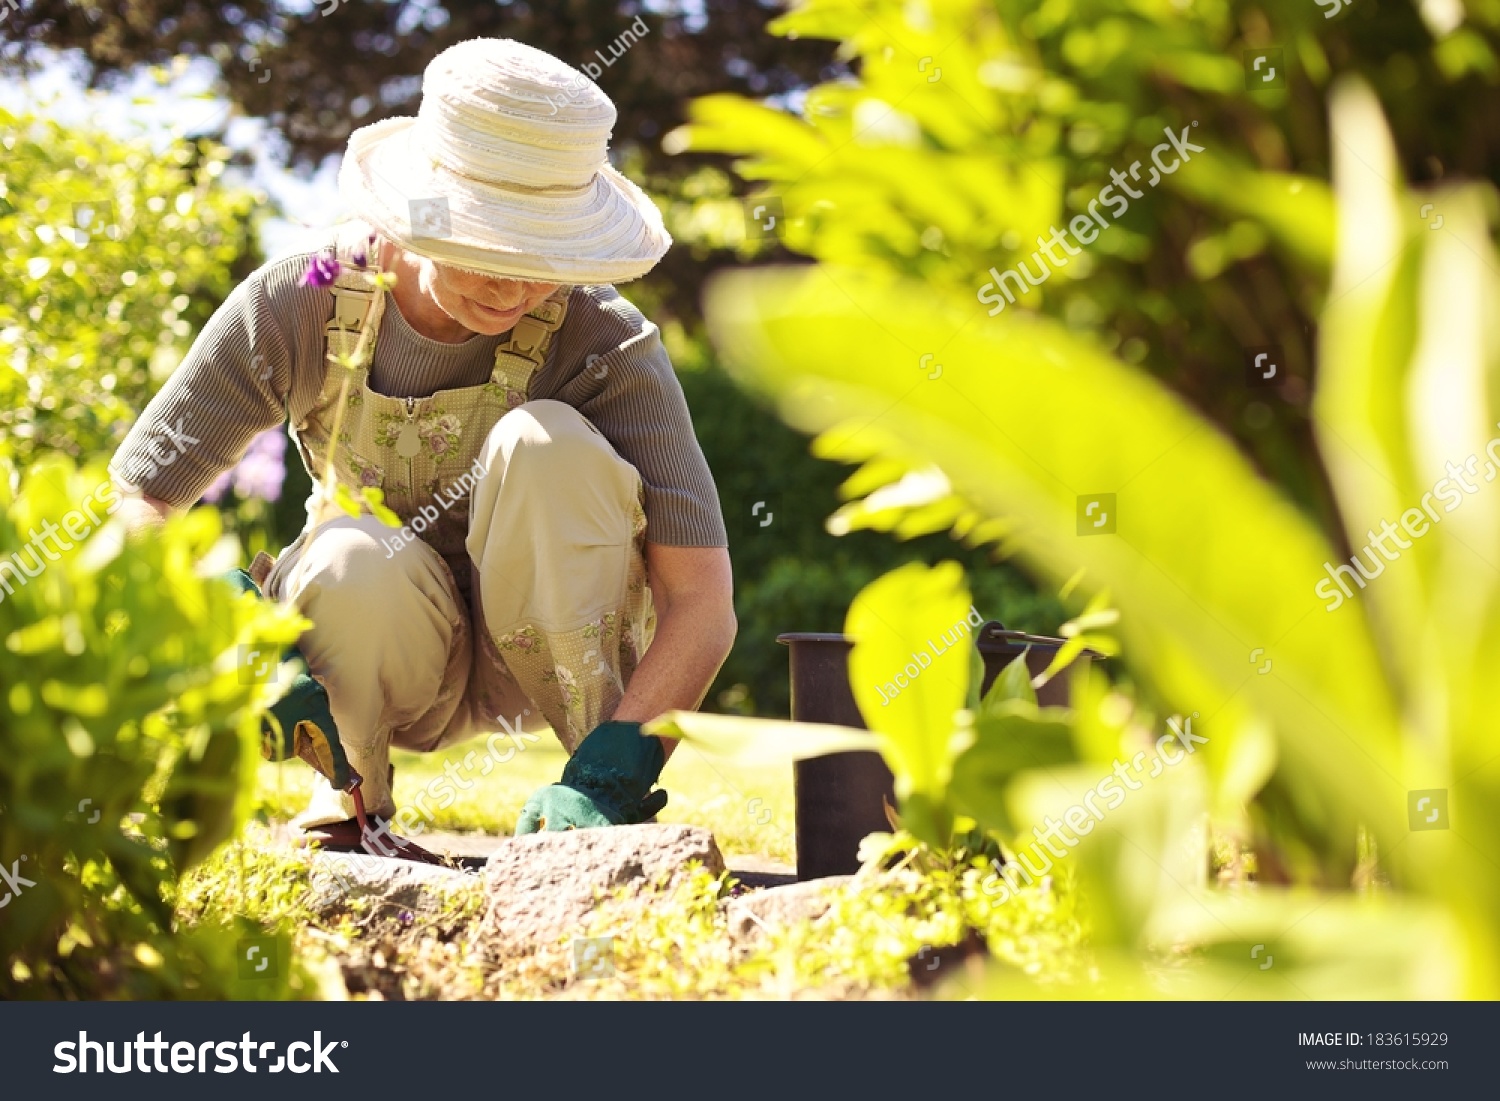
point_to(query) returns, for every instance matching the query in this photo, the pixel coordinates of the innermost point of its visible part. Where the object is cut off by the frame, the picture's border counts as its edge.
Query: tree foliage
(335, 65)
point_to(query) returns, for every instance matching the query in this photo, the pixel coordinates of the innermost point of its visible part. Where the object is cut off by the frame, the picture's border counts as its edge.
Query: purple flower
(220, 485)
(439, 444)
(369, 476)
(322, 270)
(361, 254)
(259, 474)
(262, 470)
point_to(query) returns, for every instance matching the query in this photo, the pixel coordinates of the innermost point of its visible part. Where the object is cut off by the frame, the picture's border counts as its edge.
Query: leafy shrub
(128, 741)
(1322, 753)
(1326, 715)
(93, 319)
(972, 128)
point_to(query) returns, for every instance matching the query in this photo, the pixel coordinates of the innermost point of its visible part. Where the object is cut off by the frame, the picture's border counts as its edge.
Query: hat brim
(607, 232)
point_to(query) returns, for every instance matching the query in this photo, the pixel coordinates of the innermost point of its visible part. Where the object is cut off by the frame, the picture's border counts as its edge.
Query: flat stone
(542, 885)
(337, 879)
(460, 844)
(756, 872)
(470, 850)
(752, 914)
(456, 846)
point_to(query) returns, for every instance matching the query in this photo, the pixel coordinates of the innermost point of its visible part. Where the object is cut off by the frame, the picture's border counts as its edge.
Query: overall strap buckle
(350, 306)
(532, 334)
(529, 338)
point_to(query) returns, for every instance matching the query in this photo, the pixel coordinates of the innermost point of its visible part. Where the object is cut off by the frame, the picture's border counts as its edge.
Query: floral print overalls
(425, 455)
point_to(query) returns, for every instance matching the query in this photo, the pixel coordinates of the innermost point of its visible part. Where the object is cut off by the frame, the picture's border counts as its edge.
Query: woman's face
(484, 304)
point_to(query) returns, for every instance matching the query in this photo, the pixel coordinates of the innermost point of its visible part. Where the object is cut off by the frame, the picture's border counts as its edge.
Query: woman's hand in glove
(607, 782)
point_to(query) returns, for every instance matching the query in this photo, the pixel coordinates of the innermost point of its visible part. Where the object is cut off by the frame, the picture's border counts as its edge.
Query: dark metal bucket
(841, 798)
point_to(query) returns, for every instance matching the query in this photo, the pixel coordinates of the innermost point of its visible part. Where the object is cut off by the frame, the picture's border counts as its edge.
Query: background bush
(92, 321)
(791, 574)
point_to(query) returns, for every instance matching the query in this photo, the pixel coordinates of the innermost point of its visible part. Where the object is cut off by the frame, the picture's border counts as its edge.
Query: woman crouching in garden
(559, 557)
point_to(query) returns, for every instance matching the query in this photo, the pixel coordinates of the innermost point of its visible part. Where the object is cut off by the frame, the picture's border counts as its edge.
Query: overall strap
(352, 298)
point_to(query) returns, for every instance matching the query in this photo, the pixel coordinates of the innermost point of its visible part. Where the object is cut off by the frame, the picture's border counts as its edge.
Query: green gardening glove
(607, 782)
(304, 725)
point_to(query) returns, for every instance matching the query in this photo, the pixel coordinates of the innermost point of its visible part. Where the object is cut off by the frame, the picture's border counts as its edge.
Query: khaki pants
(547, 630)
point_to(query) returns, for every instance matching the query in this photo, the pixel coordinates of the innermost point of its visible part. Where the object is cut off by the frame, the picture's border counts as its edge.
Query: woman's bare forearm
(139, 511)
(694, 596)
(692, 641)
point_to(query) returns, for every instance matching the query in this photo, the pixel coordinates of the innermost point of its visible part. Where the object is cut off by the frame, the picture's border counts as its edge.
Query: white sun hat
(505, 171)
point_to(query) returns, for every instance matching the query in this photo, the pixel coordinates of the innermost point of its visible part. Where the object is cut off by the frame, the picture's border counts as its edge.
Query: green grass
(679, 945)
(748, 810)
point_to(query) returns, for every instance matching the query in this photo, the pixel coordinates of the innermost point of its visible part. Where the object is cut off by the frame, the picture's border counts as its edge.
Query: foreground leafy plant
(1368, 702)
(128, 741)
(951, 752)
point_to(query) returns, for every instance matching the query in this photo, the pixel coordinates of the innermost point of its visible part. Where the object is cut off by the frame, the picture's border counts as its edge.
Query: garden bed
(696, 934)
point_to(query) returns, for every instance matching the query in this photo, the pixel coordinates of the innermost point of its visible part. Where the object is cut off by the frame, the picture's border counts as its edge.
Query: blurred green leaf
(909, 678)
(1013, 683)
(374, 498)
(1025, 422)
(754, 742)
(1010, 738)
(125, 731)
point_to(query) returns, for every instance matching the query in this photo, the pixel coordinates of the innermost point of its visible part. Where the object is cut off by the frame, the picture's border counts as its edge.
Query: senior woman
(562, 558)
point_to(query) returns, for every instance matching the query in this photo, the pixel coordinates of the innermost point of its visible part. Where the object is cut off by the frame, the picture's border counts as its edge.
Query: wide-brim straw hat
(505, 171)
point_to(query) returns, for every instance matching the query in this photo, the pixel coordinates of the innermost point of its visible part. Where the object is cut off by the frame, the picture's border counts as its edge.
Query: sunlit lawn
(748, 810)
